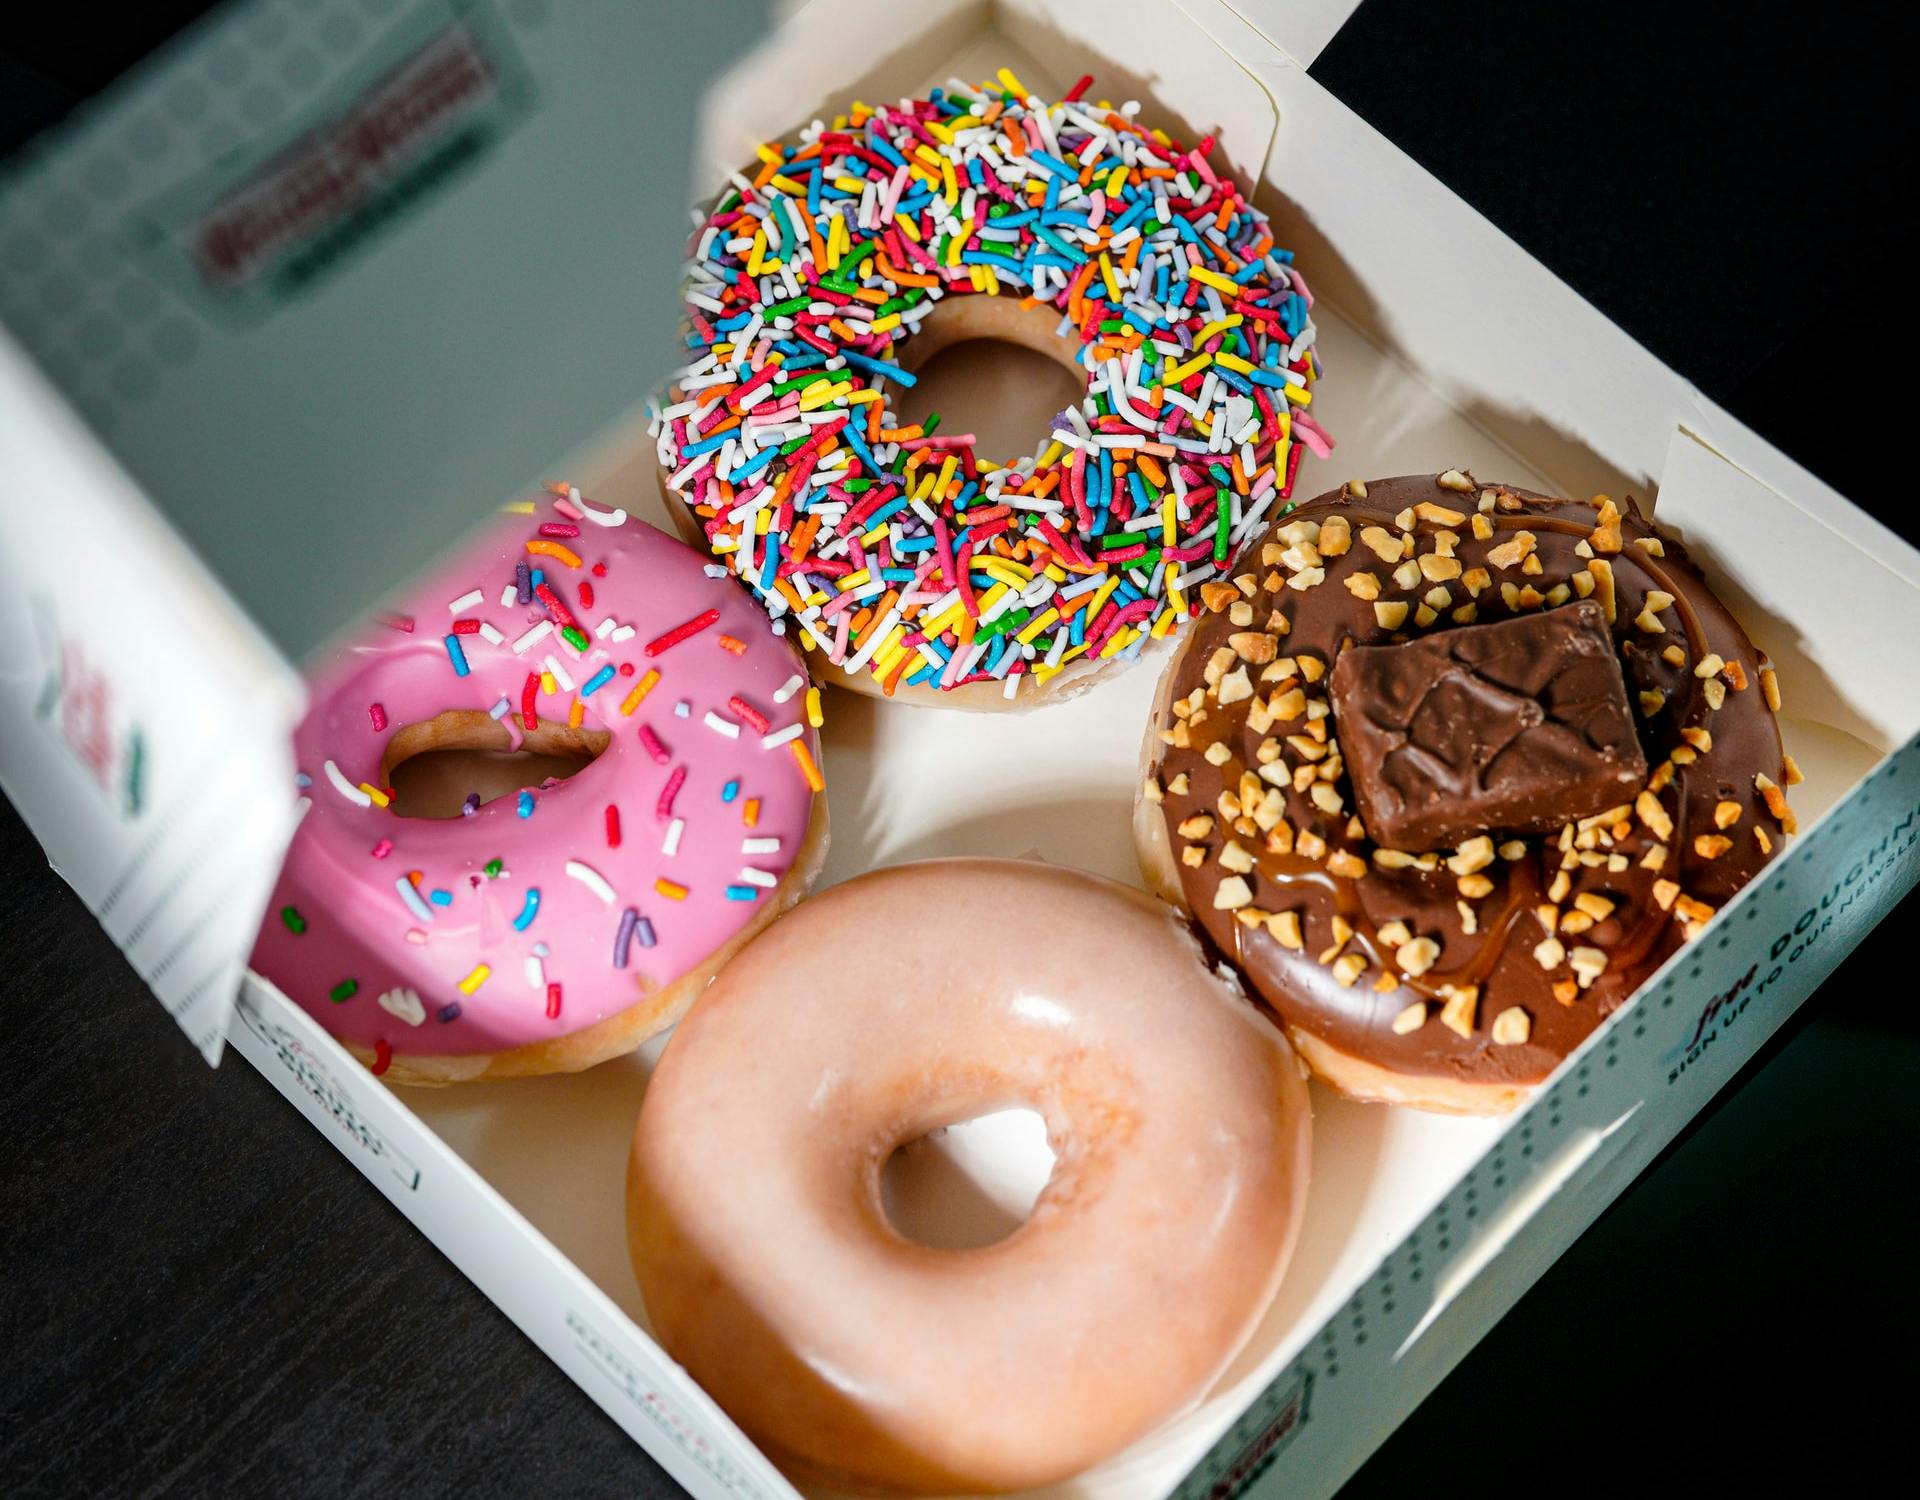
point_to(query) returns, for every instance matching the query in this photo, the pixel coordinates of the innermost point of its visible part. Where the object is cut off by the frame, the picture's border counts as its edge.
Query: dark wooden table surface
(198, 1295)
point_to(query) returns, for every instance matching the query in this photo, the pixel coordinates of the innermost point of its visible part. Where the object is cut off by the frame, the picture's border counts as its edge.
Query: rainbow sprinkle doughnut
(897, 549)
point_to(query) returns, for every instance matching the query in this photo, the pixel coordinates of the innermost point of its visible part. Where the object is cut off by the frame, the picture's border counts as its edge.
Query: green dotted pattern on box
(1778, 939)
(106, 328)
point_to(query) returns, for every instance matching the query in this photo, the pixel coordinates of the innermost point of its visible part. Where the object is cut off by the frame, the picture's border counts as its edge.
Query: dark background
(198, 1294)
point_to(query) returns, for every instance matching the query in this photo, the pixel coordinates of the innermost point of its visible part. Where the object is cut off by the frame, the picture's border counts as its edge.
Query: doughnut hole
(994, 369)
(968, 1185)
(435, 765)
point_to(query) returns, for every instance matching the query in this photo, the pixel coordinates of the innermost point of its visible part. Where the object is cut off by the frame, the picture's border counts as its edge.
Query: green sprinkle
(1013, 619)
(493, 867)
(933, 421)
(804, 378)
(1122, 539)
(1220, 521)
(296, 923)
(346, 989)
(575, 637)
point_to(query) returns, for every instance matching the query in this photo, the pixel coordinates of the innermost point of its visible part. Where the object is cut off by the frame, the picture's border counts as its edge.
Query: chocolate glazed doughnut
(1456, 973)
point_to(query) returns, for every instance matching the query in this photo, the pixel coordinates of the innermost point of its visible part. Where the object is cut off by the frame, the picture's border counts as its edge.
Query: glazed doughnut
(552, 929)
(911, 565)
(1177, 1115)
(1429, 942)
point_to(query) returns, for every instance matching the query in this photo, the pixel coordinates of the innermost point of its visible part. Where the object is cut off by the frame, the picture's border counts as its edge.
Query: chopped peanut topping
(1411, 1019)
(1512, 1027)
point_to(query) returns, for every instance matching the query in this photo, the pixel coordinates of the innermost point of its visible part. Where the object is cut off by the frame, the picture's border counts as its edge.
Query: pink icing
(340, 870)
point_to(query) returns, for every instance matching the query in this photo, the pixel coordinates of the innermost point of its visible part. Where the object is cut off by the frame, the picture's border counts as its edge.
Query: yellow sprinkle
(1215, 280)
(1163, 622)
(379, 797)
(879, 325)
(1113, 283)
(767, 153)
(547, 684)
(1038, 623)
(640, 690)
(671, 889)
(1233, 362)
(1218, 325)
(1173, 374)
(1051, 456)
(518, 507)
(1012, 85)
(474, 980)
(1169, 534)
(814, 716)
(1299, 395)
(788, 186)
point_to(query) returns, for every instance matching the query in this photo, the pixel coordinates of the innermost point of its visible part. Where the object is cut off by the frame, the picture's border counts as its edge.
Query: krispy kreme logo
(434, 98)
(78, 703)
(320, 1084)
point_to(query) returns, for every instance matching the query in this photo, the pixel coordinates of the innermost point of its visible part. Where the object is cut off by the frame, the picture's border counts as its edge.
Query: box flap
(332, 285)
(1300, 28)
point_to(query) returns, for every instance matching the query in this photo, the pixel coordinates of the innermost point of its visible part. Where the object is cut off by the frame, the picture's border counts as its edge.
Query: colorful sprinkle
(410, 897)
(525, 804)
(730, 790)
(742, 893)
(474, 980)
(808, 769)
(466, 601)
(382, 1057)
(733, 644)
(650, 742)
(346, 989)
(640, 690)
(670, 844)
(613, 826)
(788, 688)
(529, 909)
(680, 633)
(295, 923)
(814, 716)
(594, 683)
(553, 1000)
(752, 716)
(623, 936)
(663, 809)
(591, 878)
(382, 849)
(448, 1013)
(907, 554)
(671, 889)
(378, 716)
(457, 656)
(345, 787)
(722, 725)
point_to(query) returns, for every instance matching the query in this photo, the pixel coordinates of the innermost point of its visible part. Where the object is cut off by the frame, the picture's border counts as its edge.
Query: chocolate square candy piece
(1517, 726)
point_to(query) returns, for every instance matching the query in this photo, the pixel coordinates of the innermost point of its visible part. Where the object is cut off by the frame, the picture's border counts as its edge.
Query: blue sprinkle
(529, 909)
(743, 893)
(450, 1011)
(730, 790)
(440, 898)
(600, 679)
(457, 656)
(526, 804)
(302, 780)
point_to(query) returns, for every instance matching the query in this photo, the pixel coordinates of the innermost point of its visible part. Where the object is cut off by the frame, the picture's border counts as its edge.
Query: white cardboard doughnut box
(1449, 347)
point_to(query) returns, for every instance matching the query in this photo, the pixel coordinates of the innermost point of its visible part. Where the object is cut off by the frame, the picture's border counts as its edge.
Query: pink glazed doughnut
(548, 930)
(920, 997)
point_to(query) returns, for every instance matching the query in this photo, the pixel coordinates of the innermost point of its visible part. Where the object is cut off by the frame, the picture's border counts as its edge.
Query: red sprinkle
(382, 1056)
(613, 826)
(1073, 95)
(599, 570)
(761, 724)
(561, 616)
(651, 742)
(529, 720)
(559, 528)
(553, 1002)
(382, 849)
(466, 627)
(379, 716)
(626, 669)
(586, 594)
(680, 633)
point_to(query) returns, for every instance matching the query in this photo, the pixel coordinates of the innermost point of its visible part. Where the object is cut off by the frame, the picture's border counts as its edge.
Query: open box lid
(283, 312)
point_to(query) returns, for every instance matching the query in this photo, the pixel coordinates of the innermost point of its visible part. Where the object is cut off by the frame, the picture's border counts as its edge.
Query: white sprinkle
(623, 633)
(346, 788)
(788, 688)
(763, 878)
(604, 628)
(781, 736)
(722, 726)
(670, 845)
(412, 899)
(559, 673)
(508, 596)
(682, 709)
(592, 879)
(759, 846)
(536, 973)
(488, 634)
(500, 710)
(466, 601)
(533, 637)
